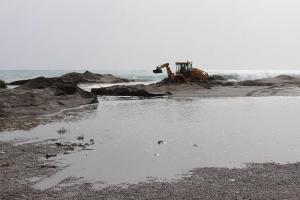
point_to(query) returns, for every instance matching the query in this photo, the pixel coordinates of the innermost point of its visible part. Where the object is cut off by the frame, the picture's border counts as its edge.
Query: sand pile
(42, 96)
(86, 77)
(134, 90)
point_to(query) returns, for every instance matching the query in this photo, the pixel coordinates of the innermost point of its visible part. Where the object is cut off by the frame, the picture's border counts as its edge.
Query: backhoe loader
(184, 72)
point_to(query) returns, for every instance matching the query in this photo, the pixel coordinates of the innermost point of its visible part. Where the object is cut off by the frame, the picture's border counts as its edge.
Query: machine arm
(169, 71)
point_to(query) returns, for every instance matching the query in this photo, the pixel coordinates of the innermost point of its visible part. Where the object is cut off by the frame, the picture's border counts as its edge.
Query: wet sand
(194, 90)
(22, 166)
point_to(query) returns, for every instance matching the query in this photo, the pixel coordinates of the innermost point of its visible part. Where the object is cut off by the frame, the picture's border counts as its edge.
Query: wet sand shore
(22, 166)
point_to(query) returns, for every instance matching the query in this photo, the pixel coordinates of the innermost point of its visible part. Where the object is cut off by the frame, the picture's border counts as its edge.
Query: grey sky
(115, 34)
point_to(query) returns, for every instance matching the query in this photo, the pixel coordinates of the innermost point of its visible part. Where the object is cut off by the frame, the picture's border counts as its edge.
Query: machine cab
(184, 67)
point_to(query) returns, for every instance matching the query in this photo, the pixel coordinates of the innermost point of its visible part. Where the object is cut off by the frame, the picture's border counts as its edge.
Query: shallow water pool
(223, 132)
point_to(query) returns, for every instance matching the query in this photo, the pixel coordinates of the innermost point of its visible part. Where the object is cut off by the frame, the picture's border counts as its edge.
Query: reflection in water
(196, 133)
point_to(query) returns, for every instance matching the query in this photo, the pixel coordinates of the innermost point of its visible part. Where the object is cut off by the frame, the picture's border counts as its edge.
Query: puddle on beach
(223, 132)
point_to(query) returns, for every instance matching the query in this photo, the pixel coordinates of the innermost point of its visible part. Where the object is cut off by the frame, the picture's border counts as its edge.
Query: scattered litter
(87, 149)
(62, 131)
(2, 152)
(232, 180)
(50, 155)
(81, 137)
(92, 142)
(86, 144)
(161, 142)
(157, 154)
(66, 153)
(48, 166)
(81, 145)
(58, 144)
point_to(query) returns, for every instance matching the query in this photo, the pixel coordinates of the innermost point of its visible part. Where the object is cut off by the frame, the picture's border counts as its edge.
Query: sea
(145, 75)
(140, 140)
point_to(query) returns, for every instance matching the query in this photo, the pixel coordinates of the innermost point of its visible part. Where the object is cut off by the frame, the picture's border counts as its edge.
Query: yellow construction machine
(184, 72)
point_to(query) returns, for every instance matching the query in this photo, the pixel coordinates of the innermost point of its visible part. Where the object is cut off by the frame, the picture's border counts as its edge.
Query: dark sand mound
(2, 85)
(278, 80)
(19, 82)
(255, 83)
(89, 77)
(212, 81)
(216, 86)
(86, 77)
(42, 96)
(41, 83)
(216, 78)
(134, 90)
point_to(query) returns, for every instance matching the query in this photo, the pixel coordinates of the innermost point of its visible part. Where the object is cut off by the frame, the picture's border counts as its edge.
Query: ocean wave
(241, 75)
(147, 75)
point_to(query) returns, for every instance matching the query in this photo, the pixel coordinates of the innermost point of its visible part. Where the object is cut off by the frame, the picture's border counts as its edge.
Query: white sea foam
(240, 75)
(147, 75)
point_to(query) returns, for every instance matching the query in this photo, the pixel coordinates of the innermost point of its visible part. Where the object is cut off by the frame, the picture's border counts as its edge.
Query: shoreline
(19, 174)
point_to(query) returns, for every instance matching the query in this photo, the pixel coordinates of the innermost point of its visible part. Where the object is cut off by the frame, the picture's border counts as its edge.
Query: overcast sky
(139, 34)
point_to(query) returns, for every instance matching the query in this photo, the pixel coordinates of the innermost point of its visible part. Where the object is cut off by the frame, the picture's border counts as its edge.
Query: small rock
(62, 131)
(157, 154)
(86, 144)
(58, 144)
(195, 145)
(232, 179)
(81, 145)
(48, 166)
(66, 153)
(92, 142)
(81, 137)
(50, 155)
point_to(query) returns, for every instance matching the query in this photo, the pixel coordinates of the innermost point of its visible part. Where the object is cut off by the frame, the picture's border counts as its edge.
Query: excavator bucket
(157, 71)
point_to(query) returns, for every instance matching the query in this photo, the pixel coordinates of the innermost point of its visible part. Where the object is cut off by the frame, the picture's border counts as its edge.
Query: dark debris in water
(62, 131)
(161, 142)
